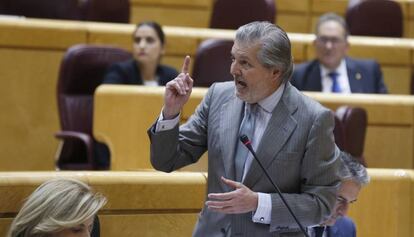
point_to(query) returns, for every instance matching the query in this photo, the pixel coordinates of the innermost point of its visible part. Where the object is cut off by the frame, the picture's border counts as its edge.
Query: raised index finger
(186, 64)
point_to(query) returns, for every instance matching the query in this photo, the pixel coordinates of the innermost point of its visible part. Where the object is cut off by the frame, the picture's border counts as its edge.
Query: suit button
(223, 230)
(261, 219)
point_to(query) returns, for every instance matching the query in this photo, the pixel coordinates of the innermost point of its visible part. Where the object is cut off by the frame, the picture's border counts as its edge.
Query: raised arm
(177, 92)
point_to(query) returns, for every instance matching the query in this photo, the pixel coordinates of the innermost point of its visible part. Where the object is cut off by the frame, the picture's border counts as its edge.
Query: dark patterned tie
(335, 85)
(246, 128)
(319, 231)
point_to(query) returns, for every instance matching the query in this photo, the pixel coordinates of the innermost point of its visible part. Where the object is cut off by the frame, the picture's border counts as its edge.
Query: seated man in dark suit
(338, 225)
(333, 71)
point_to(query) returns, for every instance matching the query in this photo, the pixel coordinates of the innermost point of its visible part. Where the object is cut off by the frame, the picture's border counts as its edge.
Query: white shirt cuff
(264, 209)
(164, 125)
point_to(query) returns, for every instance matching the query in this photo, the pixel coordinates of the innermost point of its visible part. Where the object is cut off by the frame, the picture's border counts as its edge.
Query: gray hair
(276, 48)
(55, 205)
(353, 169)
(330, 16)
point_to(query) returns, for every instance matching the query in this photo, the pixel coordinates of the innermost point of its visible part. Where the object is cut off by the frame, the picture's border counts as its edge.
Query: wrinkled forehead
(349, 189)
(241, 48)
(331, 29)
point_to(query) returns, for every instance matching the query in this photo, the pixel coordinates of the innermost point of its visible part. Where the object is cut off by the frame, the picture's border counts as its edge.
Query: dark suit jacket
(297, 149)
(344, 227)
(128, 73)
(364, 76)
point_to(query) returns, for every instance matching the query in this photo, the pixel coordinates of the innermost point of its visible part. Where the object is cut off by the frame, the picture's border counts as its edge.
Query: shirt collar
(340, 69)
(269, 103)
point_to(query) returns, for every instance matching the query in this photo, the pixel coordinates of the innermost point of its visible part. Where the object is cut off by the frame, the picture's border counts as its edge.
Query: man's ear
(276, 74)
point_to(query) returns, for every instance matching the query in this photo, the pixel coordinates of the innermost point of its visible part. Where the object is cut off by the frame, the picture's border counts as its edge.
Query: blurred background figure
(354, 177)
(58, 208)
(145, 67)
(332, 70)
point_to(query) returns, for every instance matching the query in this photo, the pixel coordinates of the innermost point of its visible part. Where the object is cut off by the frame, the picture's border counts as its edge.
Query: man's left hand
(241, 200)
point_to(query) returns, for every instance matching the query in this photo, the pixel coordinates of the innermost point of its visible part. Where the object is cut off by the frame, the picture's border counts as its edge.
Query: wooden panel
(171, 16)
(298, 23)
(182, 3)
(293, 6)
(319, 7)
(392, 55)
(385, 110)
(42, 33)
(5, 225)
(29, 111)
(119, 35)
(397, 79)
(144, 191)
(177, 62)
(115, 102)
(385, 51)
(389, 118)
(409, 29)
(388, 198)
(389, 147)
(383, 207)
(148, 225)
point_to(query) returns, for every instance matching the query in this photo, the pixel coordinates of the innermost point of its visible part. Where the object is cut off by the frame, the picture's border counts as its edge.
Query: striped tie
(246, 128)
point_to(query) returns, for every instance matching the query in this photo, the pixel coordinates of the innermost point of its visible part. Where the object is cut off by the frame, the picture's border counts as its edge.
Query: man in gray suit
(292, 134)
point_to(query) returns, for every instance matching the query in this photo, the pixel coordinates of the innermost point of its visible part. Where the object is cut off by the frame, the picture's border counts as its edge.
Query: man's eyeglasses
(332, 40)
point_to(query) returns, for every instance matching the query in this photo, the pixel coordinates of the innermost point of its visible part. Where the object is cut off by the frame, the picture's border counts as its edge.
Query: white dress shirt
(263, 115)
(342, 79)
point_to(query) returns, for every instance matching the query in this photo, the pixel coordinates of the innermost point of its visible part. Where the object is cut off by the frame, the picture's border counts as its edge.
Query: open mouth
(240, 83)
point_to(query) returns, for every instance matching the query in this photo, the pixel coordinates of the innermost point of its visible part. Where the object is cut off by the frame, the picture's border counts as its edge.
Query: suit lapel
(280, 127)
(230, 119)
(313, 80)
(354, 76)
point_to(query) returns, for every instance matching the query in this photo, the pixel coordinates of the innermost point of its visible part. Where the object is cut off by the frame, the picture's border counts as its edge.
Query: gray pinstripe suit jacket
(297, 148)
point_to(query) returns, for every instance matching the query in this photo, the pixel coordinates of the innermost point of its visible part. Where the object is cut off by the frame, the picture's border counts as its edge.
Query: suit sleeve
(319, 179)
(114, 75)
(184, 145)
(381, 88)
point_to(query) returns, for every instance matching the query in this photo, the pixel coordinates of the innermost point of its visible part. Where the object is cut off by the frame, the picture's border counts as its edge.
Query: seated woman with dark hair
(58, 208)
(145, 67)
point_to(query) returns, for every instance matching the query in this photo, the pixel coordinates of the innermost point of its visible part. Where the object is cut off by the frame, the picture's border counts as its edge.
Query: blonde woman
(58, 208)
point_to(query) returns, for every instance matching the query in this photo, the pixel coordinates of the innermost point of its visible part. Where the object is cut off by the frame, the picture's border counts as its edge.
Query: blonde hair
(55, 205)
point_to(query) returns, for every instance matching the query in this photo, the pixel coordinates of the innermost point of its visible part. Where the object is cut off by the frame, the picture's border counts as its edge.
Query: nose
(234, 69)
(343, 210)
(328, 44)
(142, 43)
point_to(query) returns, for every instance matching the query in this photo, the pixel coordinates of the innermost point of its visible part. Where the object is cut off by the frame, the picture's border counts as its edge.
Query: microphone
(246, 141)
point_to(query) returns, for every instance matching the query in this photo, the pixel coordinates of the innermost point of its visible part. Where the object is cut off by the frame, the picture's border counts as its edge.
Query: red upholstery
(375, 18)
(81, 71)
(212, 62)
(107, 11)
(231, 14)
(54, 9)
(354, 123)
(339, 133)
(90, 10)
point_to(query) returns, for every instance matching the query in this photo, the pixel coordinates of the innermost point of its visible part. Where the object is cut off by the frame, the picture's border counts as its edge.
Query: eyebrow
(347, 201)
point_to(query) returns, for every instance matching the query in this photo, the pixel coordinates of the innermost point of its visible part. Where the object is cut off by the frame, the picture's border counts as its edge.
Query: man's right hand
(177, 92)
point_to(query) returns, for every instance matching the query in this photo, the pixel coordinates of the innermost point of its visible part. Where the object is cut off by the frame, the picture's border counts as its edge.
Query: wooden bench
(294, 16)
(157, 204)
(389, 141)
(29, 72)
(139, 203)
